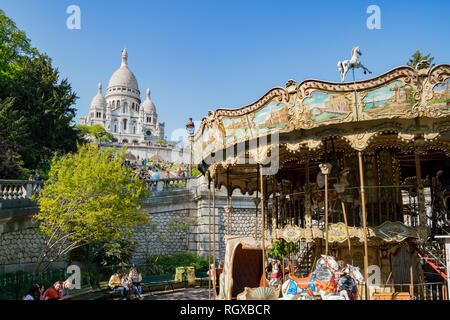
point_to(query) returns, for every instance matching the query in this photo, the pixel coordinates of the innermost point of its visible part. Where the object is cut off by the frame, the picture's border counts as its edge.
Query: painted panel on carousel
(208, 141)
(441, 96)
(236, 129)
(272, 117)
(337, 232)
(395, 231)
(394, 99)
(325, 107)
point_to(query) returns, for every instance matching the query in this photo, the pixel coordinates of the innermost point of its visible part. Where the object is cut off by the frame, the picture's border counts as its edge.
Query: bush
(168, 264)
(115, 252)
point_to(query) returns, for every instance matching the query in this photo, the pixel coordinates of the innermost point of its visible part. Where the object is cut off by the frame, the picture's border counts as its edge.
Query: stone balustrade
(24, 189)
(167, 185)
(19, 189)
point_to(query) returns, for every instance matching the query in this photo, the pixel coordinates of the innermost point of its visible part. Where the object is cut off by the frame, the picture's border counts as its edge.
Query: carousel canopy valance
(303, 114)
(388, 231)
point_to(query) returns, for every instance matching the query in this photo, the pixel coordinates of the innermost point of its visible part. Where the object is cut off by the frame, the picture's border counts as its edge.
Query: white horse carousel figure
(353, 63)
(321, 282)
(318, 283)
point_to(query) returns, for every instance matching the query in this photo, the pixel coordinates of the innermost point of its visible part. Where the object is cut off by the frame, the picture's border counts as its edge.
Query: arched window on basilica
(115, 126)
(124, 124)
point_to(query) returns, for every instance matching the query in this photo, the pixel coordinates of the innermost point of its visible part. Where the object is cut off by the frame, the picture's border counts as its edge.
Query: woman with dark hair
(33, 293)
(41, 288)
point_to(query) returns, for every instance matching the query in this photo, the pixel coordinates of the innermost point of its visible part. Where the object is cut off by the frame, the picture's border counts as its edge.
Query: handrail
(19, 189)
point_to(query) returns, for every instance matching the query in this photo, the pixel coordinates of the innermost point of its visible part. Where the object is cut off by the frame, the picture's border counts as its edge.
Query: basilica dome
(123, 77)
(99, 100)
(148, 106)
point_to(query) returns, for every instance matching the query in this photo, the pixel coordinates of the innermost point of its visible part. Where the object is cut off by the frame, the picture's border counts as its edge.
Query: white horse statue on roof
(353, 63)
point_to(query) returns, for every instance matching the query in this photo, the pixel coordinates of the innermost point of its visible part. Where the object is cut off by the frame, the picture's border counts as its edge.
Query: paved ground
(180, 294)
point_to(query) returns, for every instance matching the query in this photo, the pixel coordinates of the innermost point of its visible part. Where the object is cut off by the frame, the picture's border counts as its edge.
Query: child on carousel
(345, 281)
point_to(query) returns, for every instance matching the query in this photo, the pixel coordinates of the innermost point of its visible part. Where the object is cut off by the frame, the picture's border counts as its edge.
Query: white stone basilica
(131, 122)
(121, 113)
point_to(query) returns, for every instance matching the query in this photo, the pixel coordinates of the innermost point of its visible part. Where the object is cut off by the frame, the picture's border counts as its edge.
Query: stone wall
(20, 250)
(242, 224)
(155, 238)
(20, 244)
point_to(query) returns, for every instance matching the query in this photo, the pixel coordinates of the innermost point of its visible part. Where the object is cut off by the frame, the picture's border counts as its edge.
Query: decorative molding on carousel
(388, 231)
(421, 82)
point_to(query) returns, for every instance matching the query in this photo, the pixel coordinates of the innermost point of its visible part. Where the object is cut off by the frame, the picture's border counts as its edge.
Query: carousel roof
(403, 102)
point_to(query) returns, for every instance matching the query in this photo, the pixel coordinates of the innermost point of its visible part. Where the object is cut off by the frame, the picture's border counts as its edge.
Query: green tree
(10, 162)
(114, 253)
(96, 131)
(417, 57)
(35, 104)
(281, 249)
(89, 197)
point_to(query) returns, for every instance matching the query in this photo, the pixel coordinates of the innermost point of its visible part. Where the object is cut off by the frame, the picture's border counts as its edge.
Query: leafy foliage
(417, 57)
(89, 197)
(96, 131)
(168, 264)
(10, 161)
(35, 105)
(281, 249)
(114, 253)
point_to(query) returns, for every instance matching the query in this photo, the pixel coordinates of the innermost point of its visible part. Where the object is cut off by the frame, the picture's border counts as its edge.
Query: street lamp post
(190, 128)
(100, 135)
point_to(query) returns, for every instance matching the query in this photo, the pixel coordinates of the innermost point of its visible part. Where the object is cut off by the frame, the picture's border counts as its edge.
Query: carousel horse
(275, 277)
(353, 63)
(319, 283)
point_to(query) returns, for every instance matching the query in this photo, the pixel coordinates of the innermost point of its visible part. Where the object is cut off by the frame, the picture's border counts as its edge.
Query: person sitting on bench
(115, 284)
(136, 279)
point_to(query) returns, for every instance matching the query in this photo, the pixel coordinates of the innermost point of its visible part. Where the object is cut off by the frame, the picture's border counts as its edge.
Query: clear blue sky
(200, 55)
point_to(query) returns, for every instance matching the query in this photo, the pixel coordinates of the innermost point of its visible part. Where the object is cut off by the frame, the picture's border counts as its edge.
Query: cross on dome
(124, 57)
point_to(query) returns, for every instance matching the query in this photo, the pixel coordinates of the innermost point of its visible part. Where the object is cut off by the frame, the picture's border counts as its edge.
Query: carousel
(351, 177)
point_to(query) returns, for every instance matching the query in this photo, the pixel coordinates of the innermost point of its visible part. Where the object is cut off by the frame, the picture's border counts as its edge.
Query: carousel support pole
(214, 237)
(363, 206)
(262, 235)
(274, 210)
(229, 214)
(411, 274)
(256, 201)
(326, 214)
(326, 168)
(421, 198)
(209, 240)
(348, 233)
(308, 220)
